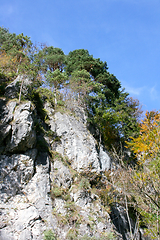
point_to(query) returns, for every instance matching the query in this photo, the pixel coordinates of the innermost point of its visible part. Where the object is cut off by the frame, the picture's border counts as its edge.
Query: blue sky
(124, 33)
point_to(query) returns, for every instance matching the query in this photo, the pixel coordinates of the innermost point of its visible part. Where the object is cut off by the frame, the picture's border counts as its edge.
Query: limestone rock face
(62, 175)
(16, 170)
(6, 116)
(105, 160)
(26, 207)
(47, 188)
(17, 132)
(23, 135)
(77, 143)
(77, 208)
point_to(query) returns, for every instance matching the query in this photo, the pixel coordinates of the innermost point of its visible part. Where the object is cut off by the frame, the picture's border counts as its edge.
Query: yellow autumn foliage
(146, 176)
(147, 145)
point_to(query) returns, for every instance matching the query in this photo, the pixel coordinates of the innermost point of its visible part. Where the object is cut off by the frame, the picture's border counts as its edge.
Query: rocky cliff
(51, 171)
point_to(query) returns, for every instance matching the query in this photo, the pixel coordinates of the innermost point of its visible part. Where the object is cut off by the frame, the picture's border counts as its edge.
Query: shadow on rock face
(42, 158)
(119, 218)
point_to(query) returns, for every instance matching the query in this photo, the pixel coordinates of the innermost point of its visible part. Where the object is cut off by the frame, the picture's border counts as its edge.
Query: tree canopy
(109, 108)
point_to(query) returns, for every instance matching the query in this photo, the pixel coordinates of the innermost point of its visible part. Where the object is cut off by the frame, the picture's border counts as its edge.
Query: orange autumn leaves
(147, 145)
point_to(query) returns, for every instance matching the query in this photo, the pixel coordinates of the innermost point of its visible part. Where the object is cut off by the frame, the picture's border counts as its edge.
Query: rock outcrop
(77, 143)
(47, 175)
(40, 192)
(13, 88)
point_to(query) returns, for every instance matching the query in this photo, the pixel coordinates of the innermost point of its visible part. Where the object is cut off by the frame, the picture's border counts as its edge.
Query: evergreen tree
(53, 58)
(109, 107)
(55, 79)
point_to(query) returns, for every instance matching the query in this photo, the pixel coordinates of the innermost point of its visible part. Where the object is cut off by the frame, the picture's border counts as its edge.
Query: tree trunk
(21, 90)
(55, 97)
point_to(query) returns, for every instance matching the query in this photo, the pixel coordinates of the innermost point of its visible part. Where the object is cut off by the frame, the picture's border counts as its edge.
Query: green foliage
(55, 78)
(80, 84)
(108, 236)
(84, 183)
(56, 156)
(81, 59)
(51, 135)
(16, 57)
(107, 196)
(18, 48)
(49, 235)
(72, 234)
(2, 89)
(60, 103)
(57, 192)
(46, 95)
(53, 58)
(70, 206)
(7, 40)
(36, 98)
(109, 108)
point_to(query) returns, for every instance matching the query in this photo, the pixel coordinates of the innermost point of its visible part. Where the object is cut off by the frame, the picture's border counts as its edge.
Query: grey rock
(29, 212)
(61, 175)
(26, 217)
(38, 189)
(76, 142)
(32, 153)
(28, 175)
(119, 217)
(59, 206)
(5, 130)
(77, 110)
(6, 116)
(12, 90)
(8, 109)
(16, 171)
(23, 134)
(105, 160)
(16, 126)
(25, 235)
(5, 235)
(82, 198)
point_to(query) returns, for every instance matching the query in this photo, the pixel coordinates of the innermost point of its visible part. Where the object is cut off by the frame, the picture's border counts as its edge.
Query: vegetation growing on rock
(54, 88)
